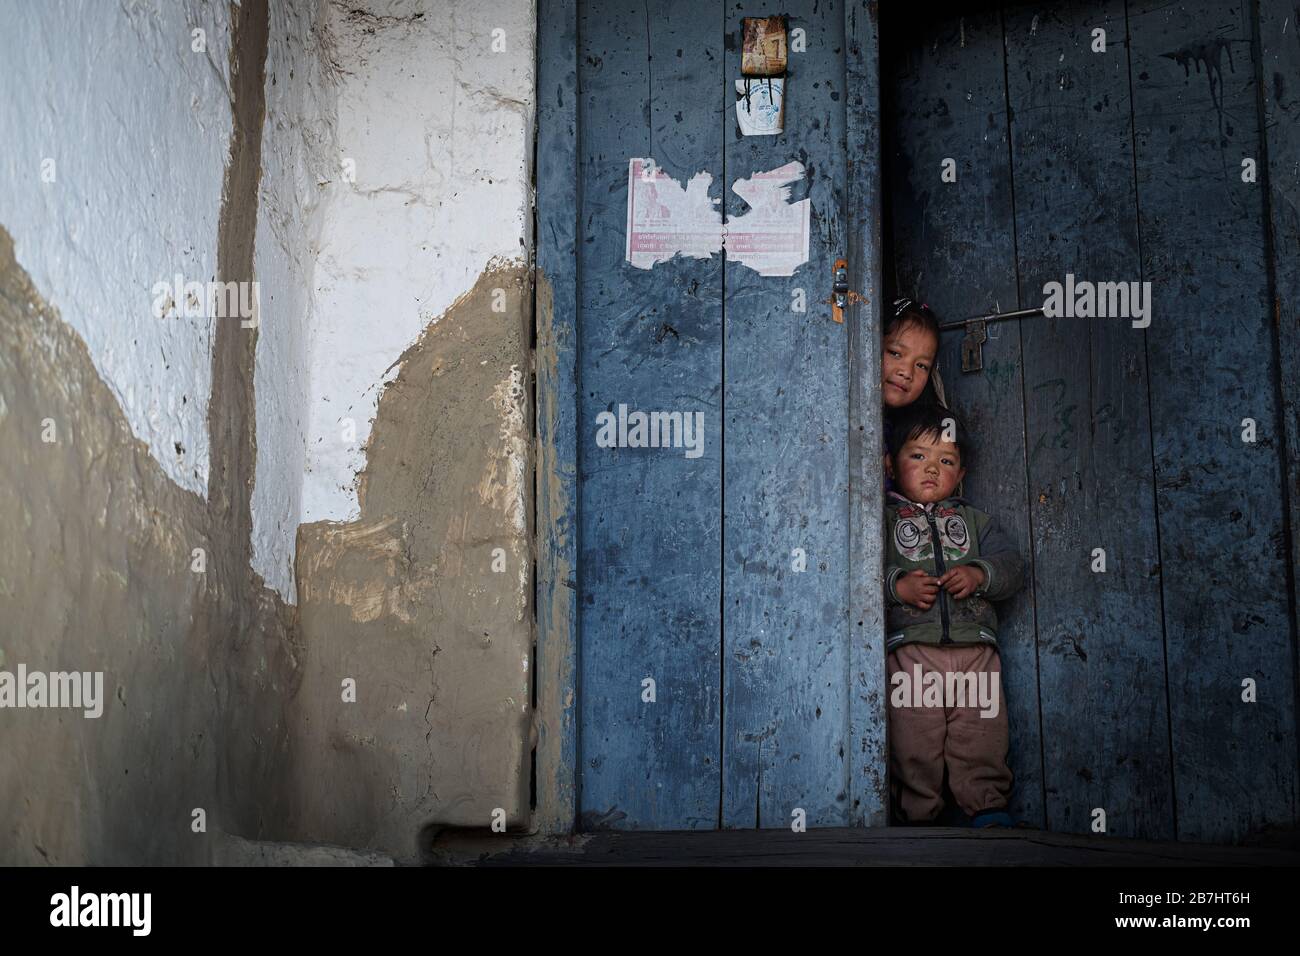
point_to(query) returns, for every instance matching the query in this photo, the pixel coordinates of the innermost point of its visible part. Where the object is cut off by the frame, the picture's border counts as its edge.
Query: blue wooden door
(713, 581)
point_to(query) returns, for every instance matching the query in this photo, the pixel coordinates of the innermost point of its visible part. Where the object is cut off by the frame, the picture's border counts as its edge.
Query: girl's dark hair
(907, 311)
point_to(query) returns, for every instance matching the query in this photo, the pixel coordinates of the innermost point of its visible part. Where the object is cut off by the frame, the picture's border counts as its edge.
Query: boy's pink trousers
(923, 740)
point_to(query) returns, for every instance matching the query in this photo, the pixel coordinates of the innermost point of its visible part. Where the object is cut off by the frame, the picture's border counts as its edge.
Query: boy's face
(905, 364)
(928, 468)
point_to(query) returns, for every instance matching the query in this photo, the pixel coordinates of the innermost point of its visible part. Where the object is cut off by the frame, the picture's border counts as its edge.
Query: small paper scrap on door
(762, 46)
(665, 219)
(759, 106)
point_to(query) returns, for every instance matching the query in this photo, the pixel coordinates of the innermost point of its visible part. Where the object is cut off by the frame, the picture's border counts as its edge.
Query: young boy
(946, 702)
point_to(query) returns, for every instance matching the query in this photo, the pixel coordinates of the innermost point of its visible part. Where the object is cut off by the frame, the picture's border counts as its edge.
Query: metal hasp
(840, 290)
(972, 343)
(972, 346)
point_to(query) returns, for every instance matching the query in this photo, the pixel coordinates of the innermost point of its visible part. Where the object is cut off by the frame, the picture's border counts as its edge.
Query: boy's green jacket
(968, 536)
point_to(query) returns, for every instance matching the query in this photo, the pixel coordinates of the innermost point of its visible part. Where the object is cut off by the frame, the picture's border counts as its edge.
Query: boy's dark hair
(927, 419)
(907, 311)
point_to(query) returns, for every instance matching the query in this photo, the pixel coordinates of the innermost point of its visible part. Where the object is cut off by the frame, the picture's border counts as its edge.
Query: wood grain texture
(1212, 364)
(785, 632)
(1101, 648)
(556, 319)
(1277, 60)
(868, 759)
(883, 846)
(651, 518)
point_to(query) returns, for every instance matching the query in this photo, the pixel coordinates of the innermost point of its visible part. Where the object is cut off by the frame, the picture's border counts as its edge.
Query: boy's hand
(917, 589)
(962, 580)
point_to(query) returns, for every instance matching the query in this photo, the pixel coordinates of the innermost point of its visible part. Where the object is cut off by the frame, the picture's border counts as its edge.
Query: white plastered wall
(134, 126)
(299, 162)
(435, 126)
(433, 106)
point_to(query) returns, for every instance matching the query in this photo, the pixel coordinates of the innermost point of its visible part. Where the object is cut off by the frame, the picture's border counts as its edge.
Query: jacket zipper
(939, 571)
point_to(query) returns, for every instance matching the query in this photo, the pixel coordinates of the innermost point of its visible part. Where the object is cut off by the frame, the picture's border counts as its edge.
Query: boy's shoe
(992, 818)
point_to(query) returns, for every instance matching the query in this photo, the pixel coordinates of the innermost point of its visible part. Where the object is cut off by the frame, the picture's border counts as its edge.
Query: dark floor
(933, 846)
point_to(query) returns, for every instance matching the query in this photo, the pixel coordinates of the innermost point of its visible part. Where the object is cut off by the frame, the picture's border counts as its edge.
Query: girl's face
(905, 363)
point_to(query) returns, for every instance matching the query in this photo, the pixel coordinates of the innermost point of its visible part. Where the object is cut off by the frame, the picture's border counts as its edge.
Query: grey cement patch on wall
(405, 600)
(233, 851)
(95, 575)
(254, 629)
(207, 673)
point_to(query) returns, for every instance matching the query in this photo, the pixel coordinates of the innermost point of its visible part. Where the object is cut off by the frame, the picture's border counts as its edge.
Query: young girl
(911, 343)
(907, 356)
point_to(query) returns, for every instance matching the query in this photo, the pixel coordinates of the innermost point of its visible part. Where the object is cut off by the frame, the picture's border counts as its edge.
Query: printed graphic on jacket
(912, 533)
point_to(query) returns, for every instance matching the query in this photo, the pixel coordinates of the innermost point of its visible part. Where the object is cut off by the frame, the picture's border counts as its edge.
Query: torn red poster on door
(665, 219)
(772, 237)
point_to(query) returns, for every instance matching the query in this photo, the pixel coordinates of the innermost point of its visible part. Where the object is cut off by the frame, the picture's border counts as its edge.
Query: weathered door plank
(1212, 364)
(785, 654)
(867, 730)
(651, 339)
(1278, 70)
(1101, 649)
(557, 396)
